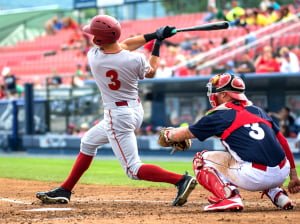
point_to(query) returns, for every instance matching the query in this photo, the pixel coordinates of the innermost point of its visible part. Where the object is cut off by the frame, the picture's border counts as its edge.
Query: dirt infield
(105, 204)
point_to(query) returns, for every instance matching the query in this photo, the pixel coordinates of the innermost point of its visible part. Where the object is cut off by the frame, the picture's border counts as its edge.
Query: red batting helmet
(233, 85)
(105, 29)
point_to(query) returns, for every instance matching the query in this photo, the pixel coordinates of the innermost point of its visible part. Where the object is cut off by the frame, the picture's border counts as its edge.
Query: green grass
(104, 172)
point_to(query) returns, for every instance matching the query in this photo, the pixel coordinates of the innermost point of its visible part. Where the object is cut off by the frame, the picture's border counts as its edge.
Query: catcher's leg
(226, 196)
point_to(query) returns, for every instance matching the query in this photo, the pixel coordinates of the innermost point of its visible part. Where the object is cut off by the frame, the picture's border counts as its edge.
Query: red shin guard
(210, 180)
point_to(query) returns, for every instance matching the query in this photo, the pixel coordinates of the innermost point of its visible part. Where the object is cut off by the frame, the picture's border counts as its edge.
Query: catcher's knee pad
(210, 180)
(88, 149)
(198, 161)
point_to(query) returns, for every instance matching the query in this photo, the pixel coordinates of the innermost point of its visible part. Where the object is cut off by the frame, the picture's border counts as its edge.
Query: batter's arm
(133, 43)
(154, 59)
(154, 62)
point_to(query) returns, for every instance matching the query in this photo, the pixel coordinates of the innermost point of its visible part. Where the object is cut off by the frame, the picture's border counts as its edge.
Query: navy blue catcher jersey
(255, 142)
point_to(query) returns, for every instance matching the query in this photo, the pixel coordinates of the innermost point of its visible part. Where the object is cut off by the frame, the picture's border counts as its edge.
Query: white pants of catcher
(244, 174)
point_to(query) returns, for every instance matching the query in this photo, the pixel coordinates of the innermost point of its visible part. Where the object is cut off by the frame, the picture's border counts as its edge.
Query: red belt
(124, 103)
(264, 168)
(121, 103)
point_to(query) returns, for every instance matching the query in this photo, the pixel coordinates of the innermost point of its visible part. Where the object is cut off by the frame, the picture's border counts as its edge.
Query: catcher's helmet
(233, 85)
(104, 28)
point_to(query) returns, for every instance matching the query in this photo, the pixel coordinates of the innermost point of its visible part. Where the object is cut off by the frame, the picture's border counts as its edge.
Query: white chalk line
(15, 201)
(46, 209)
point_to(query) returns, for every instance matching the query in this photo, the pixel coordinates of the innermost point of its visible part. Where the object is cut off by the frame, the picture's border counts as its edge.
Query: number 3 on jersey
(256, 131)
(115, 83)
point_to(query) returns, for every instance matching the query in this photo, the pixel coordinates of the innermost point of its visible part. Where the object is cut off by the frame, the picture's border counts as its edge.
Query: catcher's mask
(233, 85)
(104, 28)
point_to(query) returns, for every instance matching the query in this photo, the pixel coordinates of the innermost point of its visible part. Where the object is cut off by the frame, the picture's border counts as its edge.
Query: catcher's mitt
(164, 141)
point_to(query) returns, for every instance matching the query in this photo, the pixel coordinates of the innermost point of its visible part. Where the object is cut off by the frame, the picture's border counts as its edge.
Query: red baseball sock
(155, 173)
(81, 164)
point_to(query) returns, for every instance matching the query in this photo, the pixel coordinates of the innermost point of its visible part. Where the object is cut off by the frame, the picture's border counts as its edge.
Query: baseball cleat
(56, 196)
(233, 204)
(213, 199)
(281, 200)
(185, 186)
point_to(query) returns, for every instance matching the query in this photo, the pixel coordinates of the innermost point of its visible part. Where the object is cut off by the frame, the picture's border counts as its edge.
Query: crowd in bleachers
(65, 45)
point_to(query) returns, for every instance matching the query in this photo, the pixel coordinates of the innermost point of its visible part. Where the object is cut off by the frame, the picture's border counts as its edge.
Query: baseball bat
(204, 27)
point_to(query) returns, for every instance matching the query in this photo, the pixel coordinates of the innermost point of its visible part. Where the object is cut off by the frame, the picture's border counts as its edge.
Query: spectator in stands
(285, 14)
(163, 71)
(84, 127)
(233, 16)
(211, 13)
(284, 118)
(250, 37)
(76, 41)
(264, 4)
(275, 5)
(69, 23)
(285, 130)
(196, 49)
(259, 18)
(10, 83)
(187, 42)
(219, 68)
(266, 63)
(71, 129)
(149, 130)
(289, 61)
(271, 16)
(2, 92)
(79, 76)
(244, 64)
(53, 25)
(55, 80)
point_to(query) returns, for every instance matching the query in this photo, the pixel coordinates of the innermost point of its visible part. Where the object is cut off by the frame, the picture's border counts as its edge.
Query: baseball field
(106, 195)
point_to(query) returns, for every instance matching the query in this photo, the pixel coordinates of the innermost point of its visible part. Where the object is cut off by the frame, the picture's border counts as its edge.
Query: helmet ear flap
(213, 100)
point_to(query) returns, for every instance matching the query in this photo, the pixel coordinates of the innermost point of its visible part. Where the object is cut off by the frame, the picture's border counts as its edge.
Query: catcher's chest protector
(242, 118)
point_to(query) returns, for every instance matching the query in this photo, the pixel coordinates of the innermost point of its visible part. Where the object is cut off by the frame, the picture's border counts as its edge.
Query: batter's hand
(165, 32)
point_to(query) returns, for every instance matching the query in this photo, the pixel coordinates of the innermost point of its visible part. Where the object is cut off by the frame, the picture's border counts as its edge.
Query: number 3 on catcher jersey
(115, 83)
(256, 131)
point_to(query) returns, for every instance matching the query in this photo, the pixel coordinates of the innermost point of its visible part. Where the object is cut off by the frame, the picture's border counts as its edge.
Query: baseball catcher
(256, 156)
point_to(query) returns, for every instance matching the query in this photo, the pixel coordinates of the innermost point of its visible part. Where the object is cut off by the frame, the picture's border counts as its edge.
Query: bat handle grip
(174, 31)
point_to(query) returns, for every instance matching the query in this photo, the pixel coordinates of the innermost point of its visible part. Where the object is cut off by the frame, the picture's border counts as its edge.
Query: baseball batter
(117, 70)
(256, 158)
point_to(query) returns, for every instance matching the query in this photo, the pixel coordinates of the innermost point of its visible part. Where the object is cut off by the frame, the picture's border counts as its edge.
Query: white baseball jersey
(117, 77)
(117, 74)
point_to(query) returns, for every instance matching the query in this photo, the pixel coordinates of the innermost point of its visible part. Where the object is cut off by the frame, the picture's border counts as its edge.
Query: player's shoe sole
(56, 196)
(232, 204)
(50, 200)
